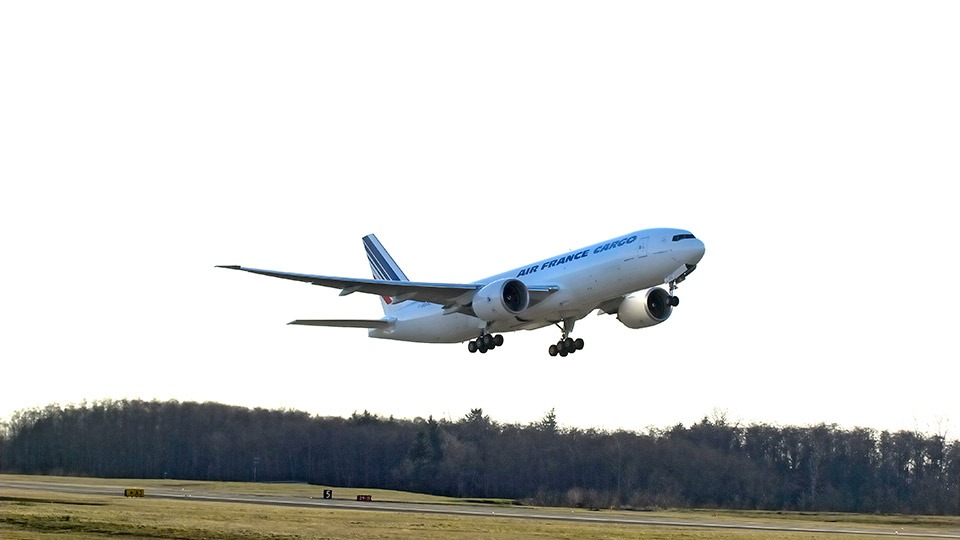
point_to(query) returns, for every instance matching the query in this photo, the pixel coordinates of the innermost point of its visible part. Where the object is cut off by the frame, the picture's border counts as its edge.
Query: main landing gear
(485, 343)
(566, 345)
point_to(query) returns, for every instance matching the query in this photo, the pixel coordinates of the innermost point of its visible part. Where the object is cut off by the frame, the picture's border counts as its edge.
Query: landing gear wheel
(566, 345)
(484, 343)
(674, 301)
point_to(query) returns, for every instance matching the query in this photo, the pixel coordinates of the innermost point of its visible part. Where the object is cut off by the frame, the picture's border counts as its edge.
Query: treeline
(713, 463)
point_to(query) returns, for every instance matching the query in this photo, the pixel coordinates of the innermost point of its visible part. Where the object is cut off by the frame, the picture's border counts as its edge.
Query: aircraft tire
(578, 344)
(472, 346)
(674, 301)
(553, 350)
(482, 348)
(488, 341)
(564, 354)
(498, 340)
(569, 344)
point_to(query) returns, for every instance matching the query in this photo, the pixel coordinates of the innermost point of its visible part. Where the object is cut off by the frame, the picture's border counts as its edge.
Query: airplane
(621, 276)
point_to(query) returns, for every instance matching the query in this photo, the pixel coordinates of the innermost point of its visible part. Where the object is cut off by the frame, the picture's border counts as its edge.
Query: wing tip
(230, 266)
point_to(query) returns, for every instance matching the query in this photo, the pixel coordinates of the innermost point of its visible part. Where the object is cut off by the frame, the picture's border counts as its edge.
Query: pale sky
(813, 146)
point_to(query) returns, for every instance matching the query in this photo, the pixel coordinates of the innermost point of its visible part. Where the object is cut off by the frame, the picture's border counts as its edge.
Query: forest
(713, 463)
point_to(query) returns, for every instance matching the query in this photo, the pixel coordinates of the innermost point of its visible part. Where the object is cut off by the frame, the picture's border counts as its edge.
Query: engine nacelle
(501, 300)
(645, 309)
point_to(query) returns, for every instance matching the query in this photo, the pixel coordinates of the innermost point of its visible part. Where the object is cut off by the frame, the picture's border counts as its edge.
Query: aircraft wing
(435, 293)
(346, 323)
(456, 297)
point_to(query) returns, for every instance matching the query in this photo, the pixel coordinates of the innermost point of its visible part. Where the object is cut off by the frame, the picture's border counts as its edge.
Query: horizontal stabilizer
(346, 323)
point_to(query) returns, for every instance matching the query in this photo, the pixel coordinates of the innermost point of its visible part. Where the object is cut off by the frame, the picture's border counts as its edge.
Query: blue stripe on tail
(383, 267)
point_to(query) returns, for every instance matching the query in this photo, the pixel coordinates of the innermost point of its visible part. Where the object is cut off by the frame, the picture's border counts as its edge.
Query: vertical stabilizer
(384, 268)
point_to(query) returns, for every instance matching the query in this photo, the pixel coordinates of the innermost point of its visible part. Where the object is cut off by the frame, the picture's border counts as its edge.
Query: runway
(512, 512)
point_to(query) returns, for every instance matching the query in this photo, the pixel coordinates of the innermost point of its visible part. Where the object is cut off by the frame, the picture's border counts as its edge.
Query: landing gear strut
(674, 300)
(566, 345)
(485, 343)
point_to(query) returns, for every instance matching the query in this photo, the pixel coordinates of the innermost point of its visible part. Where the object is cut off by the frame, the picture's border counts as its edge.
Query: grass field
(32, 515)
(250, 488)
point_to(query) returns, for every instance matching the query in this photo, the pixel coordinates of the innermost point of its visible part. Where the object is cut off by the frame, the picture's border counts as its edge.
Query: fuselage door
(642, 246)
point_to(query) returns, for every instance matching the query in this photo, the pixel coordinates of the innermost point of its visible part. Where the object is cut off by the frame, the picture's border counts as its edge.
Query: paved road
(552, 514)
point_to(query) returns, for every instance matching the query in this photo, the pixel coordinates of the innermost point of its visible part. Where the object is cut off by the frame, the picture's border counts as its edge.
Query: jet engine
(640, 310)
(501, 300)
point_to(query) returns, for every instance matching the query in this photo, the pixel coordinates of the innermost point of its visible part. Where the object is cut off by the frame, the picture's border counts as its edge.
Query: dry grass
(884, 521)
(249, 488)
(35, 515)
(31, 516)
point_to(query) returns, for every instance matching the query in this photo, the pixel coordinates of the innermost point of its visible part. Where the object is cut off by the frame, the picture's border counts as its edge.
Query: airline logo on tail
(382, 264)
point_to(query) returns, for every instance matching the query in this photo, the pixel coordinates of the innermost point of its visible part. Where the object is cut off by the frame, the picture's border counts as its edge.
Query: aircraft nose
(695, 252)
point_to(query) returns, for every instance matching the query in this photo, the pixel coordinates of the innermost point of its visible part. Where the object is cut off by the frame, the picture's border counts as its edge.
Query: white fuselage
(585, 277)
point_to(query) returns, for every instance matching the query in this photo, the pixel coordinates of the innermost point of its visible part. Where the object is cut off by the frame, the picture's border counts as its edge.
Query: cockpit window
(678, 237)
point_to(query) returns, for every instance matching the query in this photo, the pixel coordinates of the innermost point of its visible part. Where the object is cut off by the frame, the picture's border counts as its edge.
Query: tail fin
(383, 267)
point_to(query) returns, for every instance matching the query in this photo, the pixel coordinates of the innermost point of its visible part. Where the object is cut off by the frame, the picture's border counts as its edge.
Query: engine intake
(501, 300)
(645, 309)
